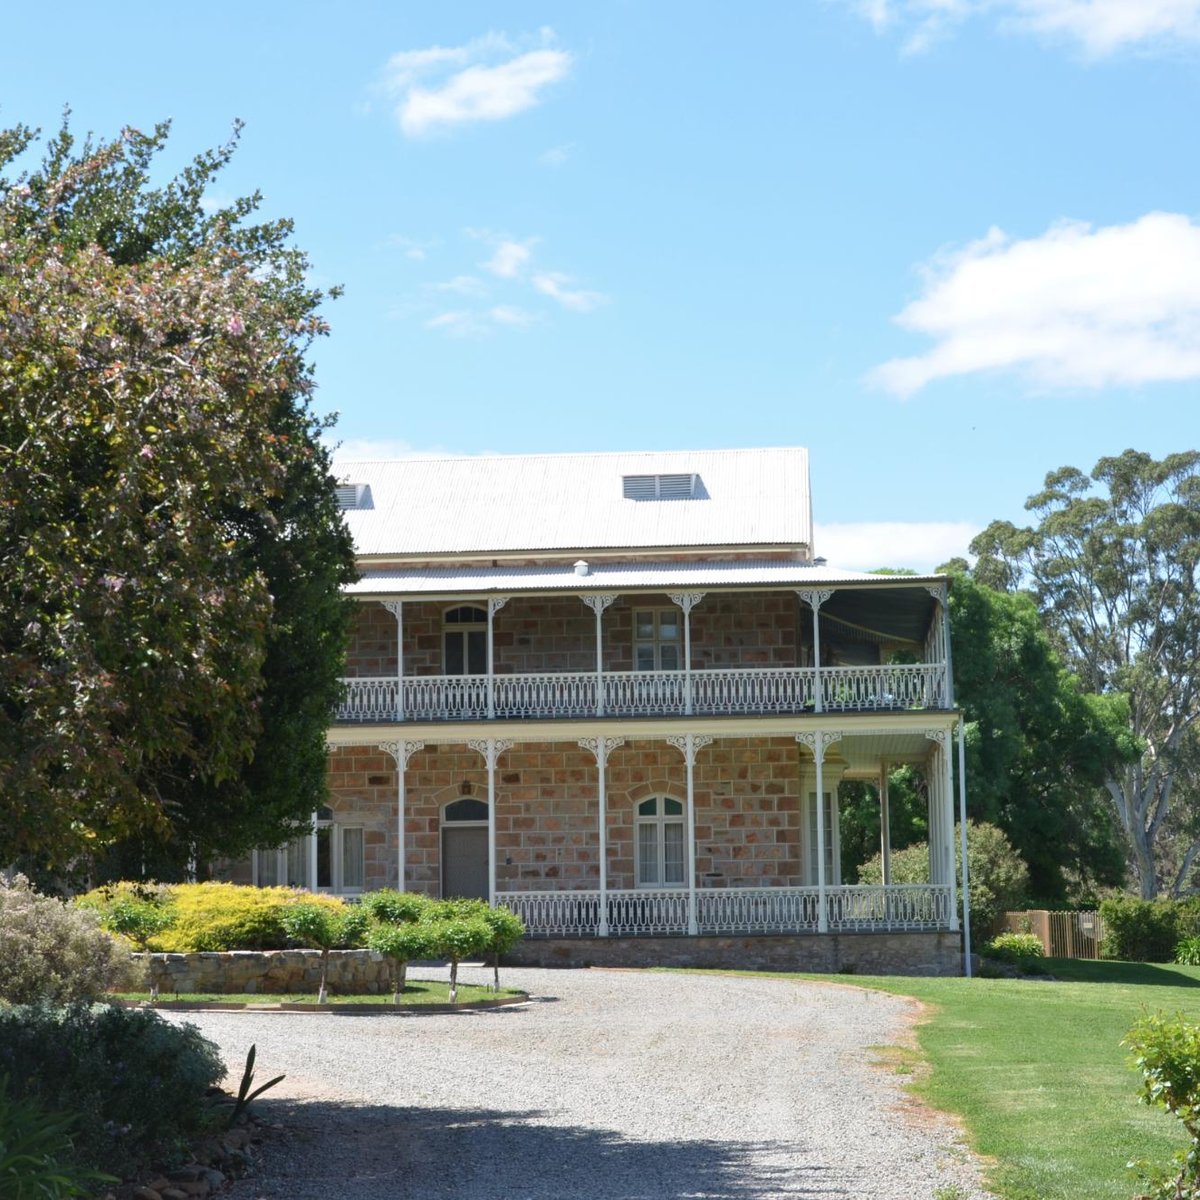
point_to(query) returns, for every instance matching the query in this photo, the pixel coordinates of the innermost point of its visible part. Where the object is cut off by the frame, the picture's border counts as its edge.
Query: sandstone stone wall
(747, 795)
(550, 634)
(860, 953)
(274, 972)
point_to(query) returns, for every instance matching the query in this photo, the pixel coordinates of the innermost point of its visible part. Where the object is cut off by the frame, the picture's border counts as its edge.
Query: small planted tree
(507, 930)
(401, 944)
(325, 929)
(456, 938)
(140, 921)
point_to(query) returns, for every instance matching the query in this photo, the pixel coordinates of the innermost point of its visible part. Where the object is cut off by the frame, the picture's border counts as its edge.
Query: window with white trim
(657, 639)
(464, 641)
(833, 858)
(340, 859)
(658, 843)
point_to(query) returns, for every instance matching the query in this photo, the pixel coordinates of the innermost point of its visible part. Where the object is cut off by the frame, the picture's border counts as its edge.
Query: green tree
(1038, 748)
(171, 623)
(1113, 563)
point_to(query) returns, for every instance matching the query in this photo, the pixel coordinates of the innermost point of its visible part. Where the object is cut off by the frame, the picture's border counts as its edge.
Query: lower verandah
(755, 824)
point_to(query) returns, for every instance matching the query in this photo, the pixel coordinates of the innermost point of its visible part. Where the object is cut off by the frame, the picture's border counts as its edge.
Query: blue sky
(948, 245)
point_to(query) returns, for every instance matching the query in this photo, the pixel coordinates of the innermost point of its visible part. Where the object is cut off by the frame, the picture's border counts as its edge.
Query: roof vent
(354, 495)
(582, 568)
(662, 487)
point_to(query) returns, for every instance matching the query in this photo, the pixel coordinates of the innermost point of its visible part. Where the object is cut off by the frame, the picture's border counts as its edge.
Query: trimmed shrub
(393, 907)
(1139, 930)
(210, 916)
(137, 1082)
(1167, 1052)
(507, 930)
(999, 876)
(457, 938)
(52, 952)
(324, 928)
(1015, 948)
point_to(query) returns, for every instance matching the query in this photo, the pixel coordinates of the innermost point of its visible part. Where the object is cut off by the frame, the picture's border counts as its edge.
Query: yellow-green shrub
(216, 916)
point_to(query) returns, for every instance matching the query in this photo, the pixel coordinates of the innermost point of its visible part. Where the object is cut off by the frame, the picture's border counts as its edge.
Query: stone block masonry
(269, 972)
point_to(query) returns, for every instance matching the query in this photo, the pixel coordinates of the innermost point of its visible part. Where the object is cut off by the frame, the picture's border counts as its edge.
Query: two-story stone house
(618, 693)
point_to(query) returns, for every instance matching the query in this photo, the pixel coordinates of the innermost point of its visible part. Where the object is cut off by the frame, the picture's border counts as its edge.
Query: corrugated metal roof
(607, 577)
(549, 502)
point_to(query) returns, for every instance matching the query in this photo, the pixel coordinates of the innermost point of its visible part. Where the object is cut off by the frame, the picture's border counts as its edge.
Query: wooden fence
(1062, 934)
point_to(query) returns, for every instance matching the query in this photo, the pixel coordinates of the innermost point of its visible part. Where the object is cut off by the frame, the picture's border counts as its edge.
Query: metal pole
(962, 817)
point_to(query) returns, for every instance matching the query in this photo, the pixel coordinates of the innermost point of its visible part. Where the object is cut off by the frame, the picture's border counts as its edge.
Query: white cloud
(555, 285)
(510, 258)
(1075, 307)
(1098, 27)
(462, 285)
(413, 248)
(458, 321)
(556, 156)
(917, 545)
(488, 79)
(510, 315)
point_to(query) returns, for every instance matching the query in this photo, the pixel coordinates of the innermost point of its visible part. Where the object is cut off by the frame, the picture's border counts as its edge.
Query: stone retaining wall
(863, 953)
(270, 972)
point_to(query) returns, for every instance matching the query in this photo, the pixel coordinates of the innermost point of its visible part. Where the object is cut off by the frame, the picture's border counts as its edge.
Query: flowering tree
(170, 619)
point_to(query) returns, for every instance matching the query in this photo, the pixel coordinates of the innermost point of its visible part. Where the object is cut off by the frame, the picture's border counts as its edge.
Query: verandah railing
(899, 907)
(730, 691)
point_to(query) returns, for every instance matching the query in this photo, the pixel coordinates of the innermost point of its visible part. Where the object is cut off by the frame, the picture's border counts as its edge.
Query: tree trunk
(322, 994)
(453, 980)
(496, 972)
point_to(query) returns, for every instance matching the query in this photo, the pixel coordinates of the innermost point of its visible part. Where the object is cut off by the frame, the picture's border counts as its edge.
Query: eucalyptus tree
(1113, 563)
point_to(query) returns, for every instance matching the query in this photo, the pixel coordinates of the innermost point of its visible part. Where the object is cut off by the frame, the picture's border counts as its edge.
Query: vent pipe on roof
(582, 568)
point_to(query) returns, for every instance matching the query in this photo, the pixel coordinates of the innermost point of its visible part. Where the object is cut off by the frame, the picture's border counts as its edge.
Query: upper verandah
(548, 506)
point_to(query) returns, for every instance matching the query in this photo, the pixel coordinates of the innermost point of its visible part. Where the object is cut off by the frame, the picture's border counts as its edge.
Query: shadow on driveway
(372, 1152)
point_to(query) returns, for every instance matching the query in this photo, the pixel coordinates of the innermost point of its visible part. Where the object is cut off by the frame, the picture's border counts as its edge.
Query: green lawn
(417, 992)
(1037, 1073)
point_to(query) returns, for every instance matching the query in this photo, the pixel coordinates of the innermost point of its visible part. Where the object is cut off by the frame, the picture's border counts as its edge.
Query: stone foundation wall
(269, 972)
(860, 953)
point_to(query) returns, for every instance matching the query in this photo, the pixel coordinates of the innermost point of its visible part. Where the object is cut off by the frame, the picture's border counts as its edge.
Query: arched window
(465, 809)
(659, 843)
(464, 641)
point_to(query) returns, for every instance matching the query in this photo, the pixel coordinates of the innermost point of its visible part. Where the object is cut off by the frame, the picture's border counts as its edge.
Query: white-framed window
(464, 640)
(659, 843)
(657, 639)
(340, 859)
(833, 841)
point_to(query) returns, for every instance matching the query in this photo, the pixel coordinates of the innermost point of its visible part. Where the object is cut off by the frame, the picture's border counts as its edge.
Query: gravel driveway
(608, 1085)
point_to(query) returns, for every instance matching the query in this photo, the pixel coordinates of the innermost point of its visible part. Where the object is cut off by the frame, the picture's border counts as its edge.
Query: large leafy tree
(1113, 563)
(171, 550)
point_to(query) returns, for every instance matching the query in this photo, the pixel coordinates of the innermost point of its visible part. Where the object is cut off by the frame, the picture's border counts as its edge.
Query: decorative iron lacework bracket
(686, 600)
(687, 744)
(814, 596)
(401, 751)
(395, 607)
(818, 741)
(940, 736)
(490, 748)
(601, 747)
(598, 601)
(937, 591)
(496, 603)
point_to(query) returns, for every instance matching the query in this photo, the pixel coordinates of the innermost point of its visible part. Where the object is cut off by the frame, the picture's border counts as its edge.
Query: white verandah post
(962, 817)
(885, 825)
(941, 800)
(495, 604)
(818, 742)
(601, 747)
(491, 749)
(401, 751)
(815, 598)
(687, 601)
(687, 745)
(598, 602)
(396, 608)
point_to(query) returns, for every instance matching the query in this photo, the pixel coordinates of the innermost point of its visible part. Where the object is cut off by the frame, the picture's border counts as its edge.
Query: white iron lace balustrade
(914, 907)
(725, 691)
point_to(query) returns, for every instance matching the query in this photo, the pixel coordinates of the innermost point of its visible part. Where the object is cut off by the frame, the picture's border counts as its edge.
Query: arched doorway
(465, 848)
